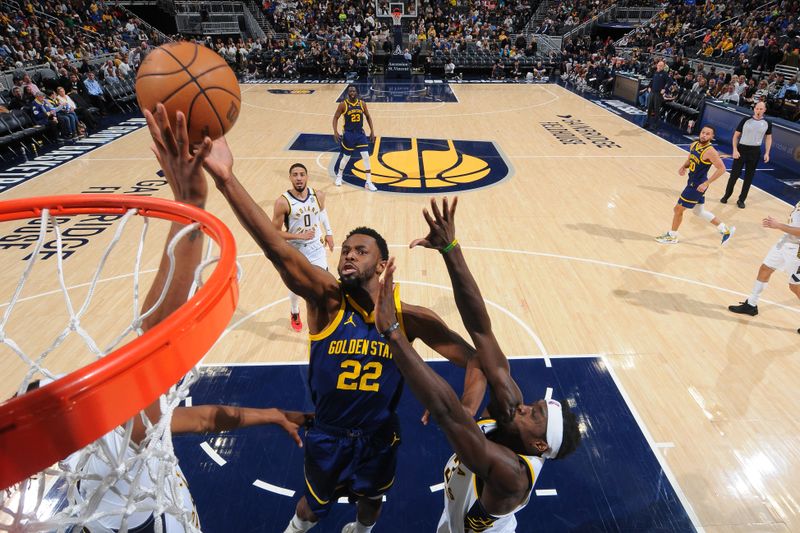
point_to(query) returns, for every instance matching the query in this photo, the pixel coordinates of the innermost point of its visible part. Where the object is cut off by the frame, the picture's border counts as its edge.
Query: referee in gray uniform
(747, 141)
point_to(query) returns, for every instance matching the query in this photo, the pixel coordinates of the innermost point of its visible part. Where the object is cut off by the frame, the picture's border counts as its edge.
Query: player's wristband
(388, 331)
(449, 247)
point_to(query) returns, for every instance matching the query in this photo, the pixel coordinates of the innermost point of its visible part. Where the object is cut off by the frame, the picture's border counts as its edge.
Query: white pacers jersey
(794, 221)
(112, 504)
(303, 216)
(463, 512)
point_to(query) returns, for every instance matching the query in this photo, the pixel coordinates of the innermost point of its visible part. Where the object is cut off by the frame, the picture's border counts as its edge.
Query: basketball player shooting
(500, 458)
(353, 380)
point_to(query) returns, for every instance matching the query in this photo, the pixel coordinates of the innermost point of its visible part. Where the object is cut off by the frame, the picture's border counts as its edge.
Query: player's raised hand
(219, 162)
(441, 223)
(385, 310)
(182, 167)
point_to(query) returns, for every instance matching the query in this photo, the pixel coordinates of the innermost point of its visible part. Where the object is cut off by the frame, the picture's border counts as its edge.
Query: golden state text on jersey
(352, 376)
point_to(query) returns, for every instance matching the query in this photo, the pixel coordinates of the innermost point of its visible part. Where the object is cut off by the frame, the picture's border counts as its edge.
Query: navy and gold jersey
(354, 116)
(698, 167)
(353, 379)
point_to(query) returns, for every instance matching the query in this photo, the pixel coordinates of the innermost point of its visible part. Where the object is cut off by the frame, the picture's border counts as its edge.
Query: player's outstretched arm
(770, 222)
(216, 418)
(318, 287)
(488, 460)
(424, 324)
(184, 173)
(506, 395)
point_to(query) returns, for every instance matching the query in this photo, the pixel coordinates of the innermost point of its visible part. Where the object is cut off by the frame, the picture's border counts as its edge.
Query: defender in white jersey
(784, 255)
(463, 510)
(299, 216)
(496, 463)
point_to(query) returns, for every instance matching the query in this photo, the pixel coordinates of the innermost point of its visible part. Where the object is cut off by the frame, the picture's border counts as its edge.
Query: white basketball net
(112, 484)
(397, 19)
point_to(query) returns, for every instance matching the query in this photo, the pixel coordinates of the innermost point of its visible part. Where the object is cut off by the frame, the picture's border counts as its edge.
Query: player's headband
(555, 429)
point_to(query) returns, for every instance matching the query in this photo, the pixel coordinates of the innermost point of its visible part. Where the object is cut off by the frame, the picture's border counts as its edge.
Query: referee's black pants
(749, 156)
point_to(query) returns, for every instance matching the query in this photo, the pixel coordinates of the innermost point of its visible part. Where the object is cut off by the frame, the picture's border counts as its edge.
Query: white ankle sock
(758, 288)
(722, 227)
(298, 526)
(672, 233)
(361, 528)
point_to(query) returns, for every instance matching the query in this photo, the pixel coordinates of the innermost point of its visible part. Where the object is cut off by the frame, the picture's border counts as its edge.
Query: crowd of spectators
(43, 31)
(592, 65)
(561, 17)
(68, 91)
(765, 34)
(336, 38)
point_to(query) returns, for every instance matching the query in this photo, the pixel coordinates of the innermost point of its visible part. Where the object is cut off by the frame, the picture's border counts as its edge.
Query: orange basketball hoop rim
(46, 425)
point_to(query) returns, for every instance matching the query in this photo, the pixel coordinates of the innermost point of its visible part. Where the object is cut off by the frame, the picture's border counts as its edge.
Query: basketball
(195, 80)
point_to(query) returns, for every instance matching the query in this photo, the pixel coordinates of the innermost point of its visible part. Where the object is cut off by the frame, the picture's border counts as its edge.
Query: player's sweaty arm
(473, 449)
(505, 394)
(424, 324)
(301, 277)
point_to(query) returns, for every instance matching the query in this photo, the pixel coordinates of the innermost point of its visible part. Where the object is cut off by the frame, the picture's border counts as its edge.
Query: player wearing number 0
(354, 140)
(301, 210)
(702, 156)
(352, 377)
(496, 462)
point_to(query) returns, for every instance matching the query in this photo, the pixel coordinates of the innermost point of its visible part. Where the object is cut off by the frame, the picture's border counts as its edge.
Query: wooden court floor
(563, 248)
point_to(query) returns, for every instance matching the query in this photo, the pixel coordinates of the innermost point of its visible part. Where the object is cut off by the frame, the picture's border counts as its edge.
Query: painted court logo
(413, 165)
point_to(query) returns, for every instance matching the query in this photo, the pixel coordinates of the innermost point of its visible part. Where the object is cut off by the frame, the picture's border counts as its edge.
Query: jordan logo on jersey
(412, 165)
(350, 321)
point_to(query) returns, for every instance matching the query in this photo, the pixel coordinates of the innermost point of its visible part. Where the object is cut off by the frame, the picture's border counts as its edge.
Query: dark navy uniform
(355, 386)
(698, 173)
(354, 138)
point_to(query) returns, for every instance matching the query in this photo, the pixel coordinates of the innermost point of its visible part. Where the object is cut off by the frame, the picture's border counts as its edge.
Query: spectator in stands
(124, 68)
(29, 85)
(498, 72)
(747, 98)
(65, 112)
(789, 87)
(16, 101)
(94, 91)
(729, 95)
(516, 71)
(449, 68)
(43, 114)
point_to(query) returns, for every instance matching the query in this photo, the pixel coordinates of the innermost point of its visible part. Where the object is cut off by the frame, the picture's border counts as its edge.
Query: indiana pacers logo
(412, 165)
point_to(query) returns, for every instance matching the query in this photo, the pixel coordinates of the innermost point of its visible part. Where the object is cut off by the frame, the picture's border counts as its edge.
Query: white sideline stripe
(344, 499)
(273, 488)
(664, 444)
(548, 393)
(188, 401)
(213, 454)
(437, 488)
(546, 492)
(650, 441)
